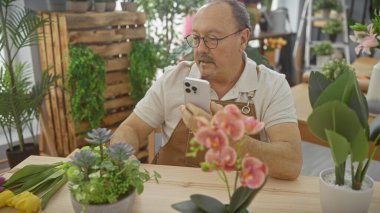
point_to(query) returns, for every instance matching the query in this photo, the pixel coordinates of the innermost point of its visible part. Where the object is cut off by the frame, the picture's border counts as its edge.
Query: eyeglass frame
(204, 37)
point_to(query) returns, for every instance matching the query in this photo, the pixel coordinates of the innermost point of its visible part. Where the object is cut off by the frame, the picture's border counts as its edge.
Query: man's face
(217, 21)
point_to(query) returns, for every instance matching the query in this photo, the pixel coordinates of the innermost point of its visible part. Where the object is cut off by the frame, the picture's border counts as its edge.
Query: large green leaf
(359, 146)
(340, 147)
(340, 89)
(242, 197)
(187, 207)
(317, 83)
(334, 116)
(208, 204)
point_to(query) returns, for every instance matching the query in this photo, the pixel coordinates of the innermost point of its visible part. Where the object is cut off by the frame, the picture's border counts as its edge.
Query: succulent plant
(98, 136)
(120, 151)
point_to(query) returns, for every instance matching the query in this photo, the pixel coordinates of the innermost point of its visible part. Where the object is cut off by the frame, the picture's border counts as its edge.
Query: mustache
(205, 58)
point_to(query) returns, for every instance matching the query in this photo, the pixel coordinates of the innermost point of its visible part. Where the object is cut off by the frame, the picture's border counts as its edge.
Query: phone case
(197, 92)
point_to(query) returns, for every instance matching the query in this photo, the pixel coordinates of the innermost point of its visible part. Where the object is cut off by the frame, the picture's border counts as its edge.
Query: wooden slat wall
(107, 34)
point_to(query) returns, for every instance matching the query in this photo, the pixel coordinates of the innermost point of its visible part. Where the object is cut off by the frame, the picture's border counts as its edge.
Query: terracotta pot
(335, 198)
(124, 205)
(16, 156)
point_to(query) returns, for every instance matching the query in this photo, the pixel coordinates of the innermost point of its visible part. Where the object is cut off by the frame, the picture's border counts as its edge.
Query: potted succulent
(20, 100)
(340, 117)
(332, 28)
(323, 50)
(105, 178)
(128, 5)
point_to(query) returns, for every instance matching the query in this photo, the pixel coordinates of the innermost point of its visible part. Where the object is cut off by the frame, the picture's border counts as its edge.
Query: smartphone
(197, 92)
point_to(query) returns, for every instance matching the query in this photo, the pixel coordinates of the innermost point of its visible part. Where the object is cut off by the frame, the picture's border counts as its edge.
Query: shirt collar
(247, 82)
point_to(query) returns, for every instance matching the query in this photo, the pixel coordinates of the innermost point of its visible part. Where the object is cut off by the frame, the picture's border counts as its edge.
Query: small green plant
(332, 27)
(87, 83)
(328, 5)
(323, 48)
(335, 68)
(143, 67)
(99, 175)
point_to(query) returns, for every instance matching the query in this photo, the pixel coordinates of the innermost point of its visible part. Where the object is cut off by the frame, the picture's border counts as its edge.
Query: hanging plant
(143, 67)
(87, 83)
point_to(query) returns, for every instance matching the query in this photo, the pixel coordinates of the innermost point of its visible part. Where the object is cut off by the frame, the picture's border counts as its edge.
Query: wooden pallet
(108, 34)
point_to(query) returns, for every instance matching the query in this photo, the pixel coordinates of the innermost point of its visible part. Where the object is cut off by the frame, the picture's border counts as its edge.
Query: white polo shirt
(273, 98)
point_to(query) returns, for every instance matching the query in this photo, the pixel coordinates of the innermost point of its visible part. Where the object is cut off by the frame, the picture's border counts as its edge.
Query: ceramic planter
(337, 199)
(78, 6)
(110, 6)
(322, 59)
(124, 205)
(129, 6)
(100, 6)
(16, 156)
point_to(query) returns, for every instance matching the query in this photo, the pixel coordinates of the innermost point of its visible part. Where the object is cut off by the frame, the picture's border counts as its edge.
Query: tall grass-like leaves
(20, 101)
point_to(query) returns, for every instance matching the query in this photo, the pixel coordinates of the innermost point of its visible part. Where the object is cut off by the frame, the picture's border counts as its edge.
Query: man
(219, 37)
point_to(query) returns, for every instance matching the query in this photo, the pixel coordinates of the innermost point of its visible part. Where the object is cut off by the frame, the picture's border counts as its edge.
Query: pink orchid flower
(230, 124)
(224, 158)
(253, 126)
(253, 172)
(212, 138)
(365, 40)
(233, 110)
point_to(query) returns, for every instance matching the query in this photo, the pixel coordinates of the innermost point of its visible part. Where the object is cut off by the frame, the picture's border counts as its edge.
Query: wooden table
(178, 183)
(300, 94)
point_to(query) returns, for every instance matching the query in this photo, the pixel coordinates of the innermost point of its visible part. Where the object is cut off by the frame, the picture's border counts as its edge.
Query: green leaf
(208, 204)
(334, 116)
(359, 147)
(54, 187)
(340, 148)
(243, 196)
(37, 180)
(28, 171)
(187, 207)
(317, 83)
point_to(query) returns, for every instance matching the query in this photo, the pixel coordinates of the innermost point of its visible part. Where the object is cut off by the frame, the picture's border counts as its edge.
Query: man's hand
(190, 112)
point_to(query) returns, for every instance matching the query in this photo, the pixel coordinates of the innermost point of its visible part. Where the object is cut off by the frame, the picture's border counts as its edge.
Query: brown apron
(174, 151)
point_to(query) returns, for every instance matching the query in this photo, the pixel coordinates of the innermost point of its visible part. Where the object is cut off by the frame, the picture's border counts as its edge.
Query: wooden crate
(107, 34)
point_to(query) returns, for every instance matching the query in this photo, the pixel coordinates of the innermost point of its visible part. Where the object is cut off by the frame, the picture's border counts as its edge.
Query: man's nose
(202, 47)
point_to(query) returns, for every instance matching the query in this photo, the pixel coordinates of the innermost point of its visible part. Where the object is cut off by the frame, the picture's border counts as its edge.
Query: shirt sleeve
(280, 107)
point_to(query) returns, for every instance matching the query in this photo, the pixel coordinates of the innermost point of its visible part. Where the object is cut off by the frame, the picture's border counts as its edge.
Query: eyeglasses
(211, 42)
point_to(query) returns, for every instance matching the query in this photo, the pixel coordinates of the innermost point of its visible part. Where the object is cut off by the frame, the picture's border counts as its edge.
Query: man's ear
(245, 35)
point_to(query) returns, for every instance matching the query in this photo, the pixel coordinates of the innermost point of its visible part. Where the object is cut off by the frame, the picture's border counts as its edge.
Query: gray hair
(239, 11)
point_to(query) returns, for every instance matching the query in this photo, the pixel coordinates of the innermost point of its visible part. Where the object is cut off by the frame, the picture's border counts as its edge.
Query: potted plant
(332, 28)
(78, 6)
(332, 69)
(340, 117)
(20, 100)
(128, 5)
(100, 5)
(325, 6)
(110, 5)
(104, 178)
(323, 50)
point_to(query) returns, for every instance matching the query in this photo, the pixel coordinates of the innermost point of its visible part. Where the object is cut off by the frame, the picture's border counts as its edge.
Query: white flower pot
(373, 94)
(322, 59)
(338, 199)
(124, 205)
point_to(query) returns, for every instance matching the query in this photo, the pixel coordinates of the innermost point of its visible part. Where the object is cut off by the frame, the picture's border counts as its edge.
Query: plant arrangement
(87, 83)
(142, 68)
(271, 44)
(226, 129)
(332, 69)
(332, 27)
(328, 5)
(323, 48)
(98, 174)
(20, 99)
(30, 188)
(340, 117)
(367, 36)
